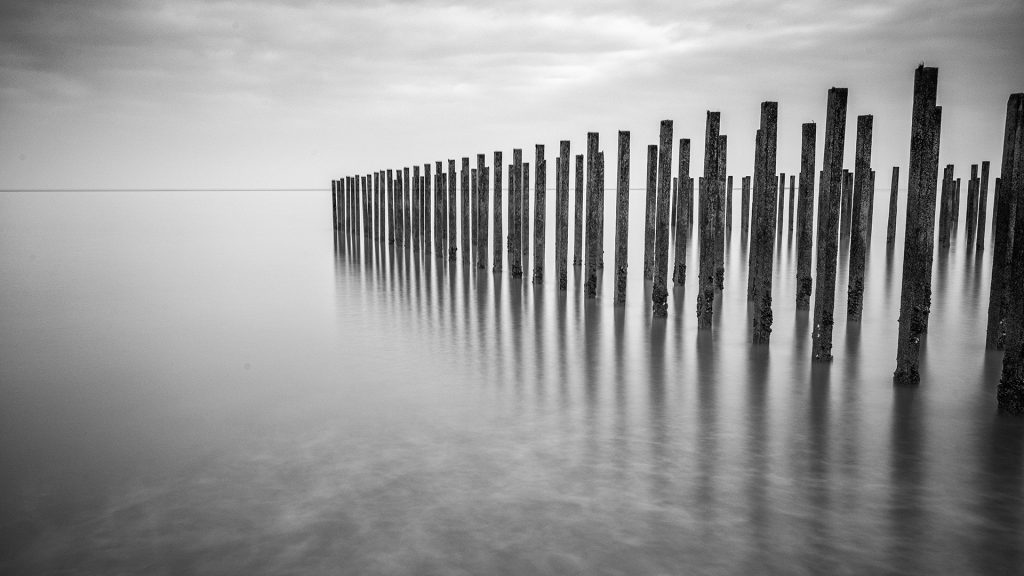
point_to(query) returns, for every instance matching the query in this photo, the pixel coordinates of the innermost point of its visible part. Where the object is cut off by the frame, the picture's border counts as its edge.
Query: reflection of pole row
(419, 211)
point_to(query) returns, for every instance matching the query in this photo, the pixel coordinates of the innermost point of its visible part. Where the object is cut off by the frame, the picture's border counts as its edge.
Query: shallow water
(213, 383)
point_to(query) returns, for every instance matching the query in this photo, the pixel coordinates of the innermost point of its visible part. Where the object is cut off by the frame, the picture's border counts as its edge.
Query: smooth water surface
(213, 383)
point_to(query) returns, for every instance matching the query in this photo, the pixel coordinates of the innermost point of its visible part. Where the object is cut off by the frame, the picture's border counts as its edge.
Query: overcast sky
(125, 94)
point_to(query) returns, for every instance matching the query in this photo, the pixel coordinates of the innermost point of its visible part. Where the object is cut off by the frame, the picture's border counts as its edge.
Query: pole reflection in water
(403, 414)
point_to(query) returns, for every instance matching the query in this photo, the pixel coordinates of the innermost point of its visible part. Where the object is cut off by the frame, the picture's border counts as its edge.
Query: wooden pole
(651, 213)
(659, 292)
(683, 216)
(728, 206)
(871, 206)
(792, 202)
(417, 206)
(805, 217)
(762, 241)
(590, 282)
(526, 217)
(465, 177)
(452, 211)
(745, 208)
(577, 249)
(1010, 392)
(389, 176)
(425, 209)
(440, 217)
(708, 218)
(718, 199)
(483, 210)
(920, 225)
(756, 202)
(859, 222)
(540, 215)
(1004, 230)
(515, 213)
(498, 233)
(946, 206)
(830, 204)
(622, 219)
(982, 205)
(334, 203)
(562, 216)
(890, 233)
(972, 205)
(782, 205)
(475, 174)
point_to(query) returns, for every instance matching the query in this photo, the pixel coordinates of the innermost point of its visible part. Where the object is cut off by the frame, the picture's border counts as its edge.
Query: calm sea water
(210, 383)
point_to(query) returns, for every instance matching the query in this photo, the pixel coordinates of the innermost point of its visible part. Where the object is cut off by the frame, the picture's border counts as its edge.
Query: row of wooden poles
(418, 210)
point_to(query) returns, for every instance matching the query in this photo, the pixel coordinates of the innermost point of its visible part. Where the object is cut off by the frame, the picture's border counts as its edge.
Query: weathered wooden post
(498, 233)
(540, 216)
(482, 210)
(945, 206)
(859, 223)
(600, 213)
(1010, 393)
(590, 282)
(515, 214)
(526, 217)
(622, 219)
(389, 179)
(399, 225)
(708, 212)
(440, 218)
(1003, 229)
(465, 176)
(651, 213)
(871, 205)
(829, 206)
(374, 182)
(683, 216)
(577, 248)
(368, 207)
(674, 208)
(792, 202)
(915, 298)
(844, 223)
(745, 208)
(719, 202)
(982, 205)
(779, 226)
(452, 211)
(805, 217)
(334, 203)
(754, 255)
(659, 292)
(728, 206)
(417, 206)
(764, 229)
(956, 208)
(425, 209)
(972, 205)
(562, 216)
(474, 215)
(890, 233)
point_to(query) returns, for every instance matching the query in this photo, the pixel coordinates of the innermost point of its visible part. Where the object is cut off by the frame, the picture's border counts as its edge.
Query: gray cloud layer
(119, 93)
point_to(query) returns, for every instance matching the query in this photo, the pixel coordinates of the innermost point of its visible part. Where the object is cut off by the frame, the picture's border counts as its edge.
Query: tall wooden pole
(540, 216)
(708, 218)
(651, 210)
(622, 219)
(920, 225)
(830, 204)
(684, 213)
(982, 205)
(590, 282)
(562, 216)
(578, 208)
(498, 234)
(765, 231)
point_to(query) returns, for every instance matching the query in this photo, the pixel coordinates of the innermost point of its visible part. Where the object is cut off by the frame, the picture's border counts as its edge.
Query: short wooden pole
(745, 208)
(465, 176)
(474, 215)
(425, 198)
(718, 189)
(805, 217)
(651, 212)
(659, 292)
(982, 205)
(972, 205)
(526, 217)
(452, 211)
(792, 203)
(890, 232)
(683, 216)
(779, 225)
(728, 206)
(859, 222)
